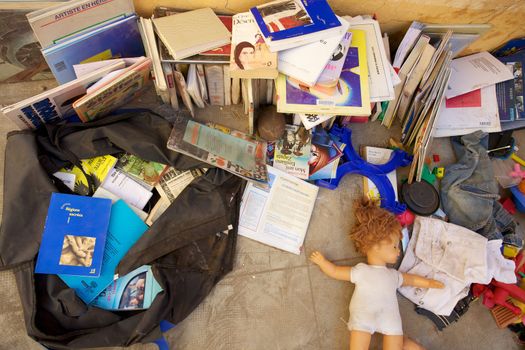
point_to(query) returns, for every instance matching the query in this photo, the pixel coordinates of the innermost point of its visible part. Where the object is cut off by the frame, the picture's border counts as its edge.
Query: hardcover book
(125, 228)
(290, 23)
(250, 57)
(350, 96)
(223, 50)
(74, 235)
(95, 45)
(134, 291)
(292, 153)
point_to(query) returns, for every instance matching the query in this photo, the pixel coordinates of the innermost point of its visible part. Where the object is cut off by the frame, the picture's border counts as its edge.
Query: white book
(215, 81)
(103, 193)
(201, 79)
(379, 77)
(269, 92)
(124, 187)
(227, 86)
(55, 24)
(475, 71)
(55, 104)
(278, 217)
(170, 81)
(251, 106)
(180, 82)
(236, 90)
(310, 120)
(193, 86)
(244, 93)
(306, 63)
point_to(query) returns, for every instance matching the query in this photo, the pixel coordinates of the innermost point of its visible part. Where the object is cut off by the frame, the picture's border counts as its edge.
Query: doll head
(377, 232)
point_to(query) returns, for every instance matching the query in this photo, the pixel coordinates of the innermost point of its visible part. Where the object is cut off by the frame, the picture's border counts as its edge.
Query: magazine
(114, 91)
(278, 216)
(250, 56)
(292, 153)
(134, 291)
(231, 150)
(324, 151)
(145, 172)
(350, 96)
(74, 235)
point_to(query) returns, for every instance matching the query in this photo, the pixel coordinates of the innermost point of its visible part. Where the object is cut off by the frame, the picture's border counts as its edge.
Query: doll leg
(398, 342)
(359, 340)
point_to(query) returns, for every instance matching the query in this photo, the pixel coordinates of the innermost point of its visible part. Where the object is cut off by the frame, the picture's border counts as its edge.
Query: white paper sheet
(127, 189)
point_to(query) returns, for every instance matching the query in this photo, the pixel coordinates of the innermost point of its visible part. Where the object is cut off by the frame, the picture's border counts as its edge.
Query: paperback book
(134, 291)
(231, 150)
(250, 56)
(74, 235)
(143, 171)
(292, 153)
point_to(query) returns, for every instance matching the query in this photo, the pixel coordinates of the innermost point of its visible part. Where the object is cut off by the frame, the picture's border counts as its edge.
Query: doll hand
(317, 258)
(436, 284)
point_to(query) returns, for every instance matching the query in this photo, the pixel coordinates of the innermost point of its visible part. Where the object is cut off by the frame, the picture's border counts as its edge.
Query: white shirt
(374, 306)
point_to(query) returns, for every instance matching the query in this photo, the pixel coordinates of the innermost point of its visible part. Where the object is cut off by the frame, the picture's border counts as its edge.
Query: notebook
(189, 33)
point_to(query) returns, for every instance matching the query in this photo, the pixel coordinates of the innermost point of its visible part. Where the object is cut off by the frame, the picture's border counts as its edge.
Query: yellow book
(350, 96)
(98, 168)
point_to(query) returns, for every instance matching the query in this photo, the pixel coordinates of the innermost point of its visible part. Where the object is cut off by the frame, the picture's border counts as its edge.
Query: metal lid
(420, 197)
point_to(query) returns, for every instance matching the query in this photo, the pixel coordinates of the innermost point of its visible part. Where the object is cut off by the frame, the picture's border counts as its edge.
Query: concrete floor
(277, 300)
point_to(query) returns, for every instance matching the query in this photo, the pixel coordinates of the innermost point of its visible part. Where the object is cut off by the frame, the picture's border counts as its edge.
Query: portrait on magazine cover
(252, 54)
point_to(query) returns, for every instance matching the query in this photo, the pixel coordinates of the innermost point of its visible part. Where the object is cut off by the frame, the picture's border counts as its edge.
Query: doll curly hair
(374, 225)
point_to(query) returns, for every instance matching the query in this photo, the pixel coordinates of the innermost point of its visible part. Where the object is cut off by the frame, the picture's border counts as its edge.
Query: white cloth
(453, 255)
(374, 306)
(499, 268)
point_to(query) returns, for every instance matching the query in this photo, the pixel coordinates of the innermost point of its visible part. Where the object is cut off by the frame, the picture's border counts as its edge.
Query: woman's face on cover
(246, 56)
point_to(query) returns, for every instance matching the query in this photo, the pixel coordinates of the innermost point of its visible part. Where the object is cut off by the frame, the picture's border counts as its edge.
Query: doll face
(388, 249)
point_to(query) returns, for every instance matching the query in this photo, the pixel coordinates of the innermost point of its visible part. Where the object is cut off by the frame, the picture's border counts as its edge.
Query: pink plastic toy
(517, 172)
(406, 218)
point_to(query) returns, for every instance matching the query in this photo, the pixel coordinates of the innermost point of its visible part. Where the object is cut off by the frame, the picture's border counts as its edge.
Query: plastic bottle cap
(420, 197)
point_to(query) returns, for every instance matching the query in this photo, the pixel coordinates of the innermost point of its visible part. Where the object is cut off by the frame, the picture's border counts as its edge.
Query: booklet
(278, 216)
(134, 291)
(292, 152)
(74, 235)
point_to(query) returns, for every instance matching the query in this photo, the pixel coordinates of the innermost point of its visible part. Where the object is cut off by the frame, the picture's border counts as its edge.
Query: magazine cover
(285, 19)
(74, 235)
(134, 291)
(97, 168)
(350, 96)
(292, 153)
(250, 56)
(231, 150)
(97, 45)
(140, 169)
(515, 63)
(125, 229)
(55, 104)
(114, 92)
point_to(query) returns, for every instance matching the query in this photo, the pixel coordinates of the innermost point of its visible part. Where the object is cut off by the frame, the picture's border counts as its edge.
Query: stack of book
(85, 237)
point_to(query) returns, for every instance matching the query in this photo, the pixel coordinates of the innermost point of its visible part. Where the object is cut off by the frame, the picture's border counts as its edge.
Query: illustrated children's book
(97, 168)
(134, 291)
(350, 96)
(293, 151)
(74, 235)
(324, 151)
(96, 45)
(125, 228)
(250, 56)
(290, 23)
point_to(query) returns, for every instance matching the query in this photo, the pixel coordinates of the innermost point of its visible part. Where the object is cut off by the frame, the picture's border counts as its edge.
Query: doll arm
(341, 273)
(422, 282)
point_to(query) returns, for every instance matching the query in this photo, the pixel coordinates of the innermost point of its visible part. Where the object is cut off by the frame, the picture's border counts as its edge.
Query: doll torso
(374, 306)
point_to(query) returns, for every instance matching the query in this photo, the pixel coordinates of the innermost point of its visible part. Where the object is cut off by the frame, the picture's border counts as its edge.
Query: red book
(226, 49)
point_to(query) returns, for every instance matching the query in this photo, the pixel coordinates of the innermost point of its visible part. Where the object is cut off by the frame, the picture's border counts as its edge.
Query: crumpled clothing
(469, 192)
(453, 255)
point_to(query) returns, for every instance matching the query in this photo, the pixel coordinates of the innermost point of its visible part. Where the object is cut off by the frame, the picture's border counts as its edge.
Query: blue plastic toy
(352, 163)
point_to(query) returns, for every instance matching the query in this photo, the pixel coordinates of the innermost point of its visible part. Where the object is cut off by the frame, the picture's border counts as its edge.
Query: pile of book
(97, 73)
(85, 237)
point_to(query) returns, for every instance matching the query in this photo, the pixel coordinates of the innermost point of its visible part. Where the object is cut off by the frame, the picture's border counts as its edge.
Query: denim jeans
(469, 192)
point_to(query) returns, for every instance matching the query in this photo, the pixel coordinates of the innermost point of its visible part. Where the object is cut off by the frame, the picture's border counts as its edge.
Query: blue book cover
(134, 291)
(116, 40)
(284, 19)
(125, 228)
(74, 235)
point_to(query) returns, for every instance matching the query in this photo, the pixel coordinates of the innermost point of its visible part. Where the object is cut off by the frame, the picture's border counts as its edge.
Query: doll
(374, 306)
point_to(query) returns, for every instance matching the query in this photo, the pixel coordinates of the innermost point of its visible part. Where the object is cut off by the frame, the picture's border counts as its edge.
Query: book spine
(170, 81)
(236, 91)
(227, 86)
(215, 80)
